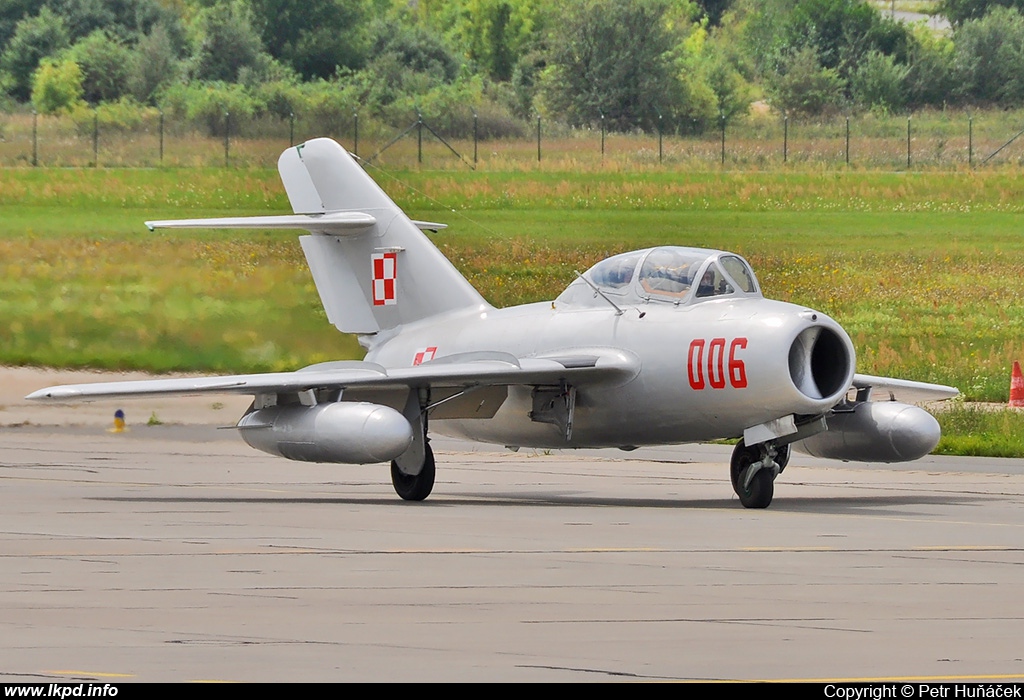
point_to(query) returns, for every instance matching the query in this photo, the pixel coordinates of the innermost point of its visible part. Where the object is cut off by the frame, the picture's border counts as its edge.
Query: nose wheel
(753, 470)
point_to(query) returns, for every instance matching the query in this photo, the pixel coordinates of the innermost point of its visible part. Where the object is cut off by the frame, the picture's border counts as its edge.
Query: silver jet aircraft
(660, 346)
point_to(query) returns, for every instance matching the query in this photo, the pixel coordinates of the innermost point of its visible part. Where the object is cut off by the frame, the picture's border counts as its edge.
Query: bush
(124, 115)
(879, 83)
(56, 87)
(326, 104)
(807, 87)
(106, 66)
(205, 105)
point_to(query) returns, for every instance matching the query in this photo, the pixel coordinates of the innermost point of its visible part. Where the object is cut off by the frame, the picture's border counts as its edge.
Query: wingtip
(52, 393)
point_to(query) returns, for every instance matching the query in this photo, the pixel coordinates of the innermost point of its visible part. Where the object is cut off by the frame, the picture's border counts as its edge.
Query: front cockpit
(673, 275)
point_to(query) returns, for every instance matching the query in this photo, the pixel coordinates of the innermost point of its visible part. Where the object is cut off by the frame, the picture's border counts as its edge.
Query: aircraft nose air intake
(820, 363)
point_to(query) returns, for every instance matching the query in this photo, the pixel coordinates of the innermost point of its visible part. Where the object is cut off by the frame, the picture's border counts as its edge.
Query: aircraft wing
(887, 389)
(455, 371)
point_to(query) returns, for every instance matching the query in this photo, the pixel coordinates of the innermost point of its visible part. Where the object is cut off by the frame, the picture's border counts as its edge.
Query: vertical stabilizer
(376, 277)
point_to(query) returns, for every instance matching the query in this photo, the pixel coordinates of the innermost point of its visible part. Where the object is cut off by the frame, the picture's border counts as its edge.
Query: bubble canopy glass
(672, 274)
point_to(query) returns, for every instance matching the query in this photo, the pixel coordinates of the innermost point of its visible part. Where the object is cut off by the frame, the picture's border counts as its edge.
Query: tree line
(671, 65)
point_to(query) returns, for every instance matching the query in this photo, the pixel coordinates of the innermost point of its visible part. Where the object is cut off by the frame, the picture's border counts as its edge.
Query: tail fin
(373, 266)
(385, 276)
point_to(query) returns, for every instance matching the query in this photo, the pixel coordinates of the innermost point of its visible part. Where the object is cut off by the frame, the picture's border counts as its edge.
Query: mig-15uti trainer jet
(660, 346)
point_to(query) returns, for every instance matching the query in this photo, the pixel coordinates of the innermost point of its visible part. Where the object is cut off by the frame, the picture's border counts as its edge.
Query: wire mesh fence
(931, 140)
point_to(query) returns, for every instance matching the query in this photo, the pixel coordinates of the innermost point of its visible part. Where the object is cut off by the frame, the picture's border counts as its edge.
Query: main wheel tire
(415, 487)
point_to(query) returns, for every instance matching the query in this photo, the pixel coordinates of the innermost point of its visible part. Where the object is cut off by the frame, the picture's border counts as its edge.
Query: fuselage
(705, 370)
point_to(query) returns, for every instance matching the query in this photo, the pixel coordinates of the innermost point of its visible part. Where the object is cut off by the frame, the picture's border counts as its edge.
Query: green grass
(925, 270)
(981, 431)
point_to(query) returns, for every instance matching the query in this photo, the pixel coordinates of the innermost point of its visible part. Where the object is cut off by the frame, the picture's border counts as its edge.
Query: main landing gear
(753, 470)
(415, 487)
(412, 472)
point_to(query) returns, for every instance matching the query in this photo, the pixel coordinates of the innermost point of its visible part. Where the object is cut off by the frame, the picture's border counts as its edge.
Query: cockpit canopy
(670, 274)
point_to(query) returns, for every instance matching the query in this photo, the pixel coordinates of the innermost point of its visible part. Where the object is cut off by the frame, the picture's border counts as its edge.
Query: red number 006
(717, 374)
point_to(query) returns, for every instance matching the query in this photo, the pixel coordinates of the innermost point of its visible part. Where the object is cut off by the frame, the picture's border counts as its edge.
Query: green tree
(154, 66)
(225, 42)
(839, 32)
(710, 71)
(931, 79)
(34, 39)
(714, 9)
(106, 65)
(806, 87)
(611, 58)
(496, 33)
(960, 11)
(414, 47)
(12, 12)
(880, 83)
(989, 64)
(56, 86)
(125, 20)
(315, 37)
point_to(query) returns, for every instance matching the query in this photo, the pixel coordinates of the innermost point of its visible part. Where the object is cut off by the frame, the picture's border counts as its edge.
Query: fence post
(970, 142)
(291, 129)
(419, 138)
(355, 128)
(785, 138)
(908, 143)
(475, 137)
(227, 138)
(35, 139)
(847, 140)
(722, 117)
(659, 138)
(161, 137)
(95, 139)
(602, 135)
(538, 138)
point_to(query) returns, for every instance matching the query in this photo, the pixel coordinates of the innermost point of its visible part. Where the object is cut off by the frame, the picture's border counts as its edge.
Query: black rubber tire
(759, 493)
(762, 488)
(419, 486)
(742, 457)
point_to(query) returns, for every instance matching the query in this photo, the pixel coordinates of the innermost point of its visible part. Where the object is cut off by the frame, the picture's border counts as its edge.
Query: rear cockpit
(666, 274)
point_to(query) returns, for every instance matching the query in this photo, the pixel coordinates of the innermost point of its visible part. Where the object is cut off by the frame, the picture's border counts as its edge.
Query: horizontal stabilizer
(338, 223)
(341, 222)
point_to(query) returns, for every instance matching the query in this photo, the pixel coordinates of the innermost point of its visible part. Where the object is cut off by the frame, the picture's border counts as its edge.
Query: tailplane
(374, 268)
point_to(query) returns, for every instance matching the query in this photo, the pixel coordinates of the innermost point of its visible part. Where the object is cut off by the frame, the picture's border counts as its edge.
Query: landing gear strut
(753, 470)
(415, 487)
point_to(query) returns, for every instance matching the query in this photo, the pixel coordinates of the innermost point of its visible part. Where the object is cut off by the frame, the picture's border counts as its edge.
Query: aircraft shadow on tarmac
(851, 505)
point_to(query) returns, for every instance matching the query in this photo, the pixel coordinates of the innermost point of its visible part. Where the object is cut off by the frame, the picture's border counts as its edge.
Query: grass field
(925, 270)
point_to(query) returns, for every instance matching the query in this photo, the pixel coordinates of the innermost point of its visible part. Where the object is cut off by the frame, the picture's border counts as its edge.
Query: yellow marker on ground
(118, 422)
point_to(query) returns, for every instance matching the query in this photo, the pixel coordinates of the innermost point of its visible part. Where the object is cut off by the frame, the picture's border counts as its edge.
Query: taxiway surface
(177, 553)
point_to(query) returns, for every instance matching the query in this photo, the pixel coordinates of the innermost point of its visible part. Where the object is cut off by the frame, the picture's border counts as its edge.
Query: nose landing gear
(753, 470)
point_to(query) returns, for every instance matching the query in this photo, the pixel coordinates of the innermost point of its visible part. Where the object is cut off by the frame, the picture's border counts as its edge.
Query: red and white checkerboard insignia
(424, 355)
(385, 274)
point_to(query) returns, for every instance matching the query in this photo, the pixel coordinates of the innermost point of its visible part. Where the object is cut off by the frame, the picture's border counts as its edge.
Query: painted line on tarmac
(97, 674)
